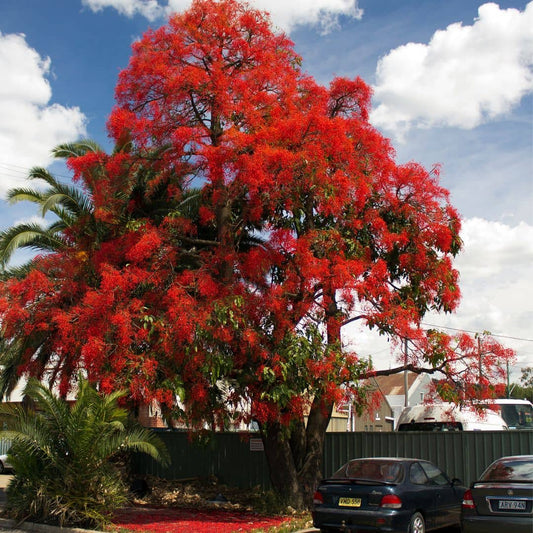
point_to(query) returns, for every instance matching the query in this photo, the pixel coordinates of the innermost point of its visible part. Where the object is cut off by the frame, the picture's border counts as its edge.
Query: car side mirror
(456, 481)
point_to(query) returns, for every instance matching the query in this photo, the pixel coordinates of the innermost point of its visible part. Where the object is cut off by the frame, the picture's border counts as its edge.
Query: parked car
(4, 464)
(387, 494)
(502, 499)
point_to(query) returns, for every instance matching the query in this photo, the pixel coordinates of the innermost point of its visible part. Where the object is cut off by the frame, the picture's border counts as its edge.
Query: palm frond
(10, 359)
(143, 441)
(61, 224)
(27, 235)
(58, 193)
(17, 271)
(22, 194)
(54, 407)
(76, 149)
(14, 353)
(66, 199)
(41, 173)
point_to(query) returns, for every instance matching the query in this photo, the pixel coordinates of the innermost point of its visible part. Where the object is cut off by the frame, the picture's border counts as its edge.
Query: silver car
(502, 499)
(4, 464)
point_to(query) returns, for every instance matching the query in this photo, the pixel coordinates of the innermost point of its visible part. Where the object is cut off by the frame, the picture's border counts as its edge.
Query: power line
(12, 172)
(470, 331)
(477, 332)
(17, 170)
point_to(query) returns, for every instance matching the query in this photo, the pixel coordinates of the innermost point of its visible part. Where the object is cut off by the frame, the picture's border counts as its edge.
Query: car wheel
(417, 524)
(2, 468)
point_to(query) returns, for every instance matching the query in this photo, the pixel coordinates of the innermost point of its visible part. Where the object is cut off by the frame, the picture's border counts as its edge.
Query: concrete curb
(41, 528)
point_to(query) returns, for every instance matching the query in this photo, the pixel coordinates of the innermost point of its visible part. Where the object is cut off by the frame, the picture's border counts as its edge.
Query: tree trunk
(311, 471)
(225, 237)
(281, 466)
(295, 455)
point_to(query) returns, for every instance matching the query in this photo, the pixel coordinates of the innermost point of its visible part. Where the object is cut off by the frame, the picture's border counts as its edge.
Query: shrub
(62, 455)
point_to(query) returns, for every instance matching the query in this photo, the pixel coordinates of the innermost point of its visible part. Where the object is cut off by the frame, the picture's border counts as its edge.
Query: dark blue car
(387, 494)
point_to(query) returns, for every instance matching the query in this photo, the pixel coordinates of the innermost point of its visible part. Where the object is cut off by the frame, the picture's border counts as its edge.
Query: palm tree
(140, 194)
(68, 203)
(62, 454)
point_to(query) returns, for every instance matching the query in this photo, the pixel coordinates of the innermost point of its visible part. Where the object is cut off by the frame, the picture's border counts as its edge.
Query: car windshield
(517, 416)
(372, 470)
(509, 470)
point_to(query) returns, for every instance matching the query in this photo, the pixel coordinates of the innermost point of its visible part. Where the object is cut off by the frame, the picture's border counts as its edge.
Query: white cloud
(147, 8)
(322, 13)
(30, 126)
(491, 248)
(285, 14)
(465, 76)
(496, 284)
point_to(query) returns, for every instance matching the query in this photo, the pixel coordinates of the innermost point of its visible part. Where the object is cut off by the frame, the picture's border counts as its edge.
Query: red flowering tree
(249, 215)
(474, 368)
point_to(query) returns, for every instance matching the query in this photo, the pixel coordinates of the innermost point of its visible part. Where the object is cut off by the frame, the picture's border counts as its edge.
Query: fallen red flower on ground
(166, 520)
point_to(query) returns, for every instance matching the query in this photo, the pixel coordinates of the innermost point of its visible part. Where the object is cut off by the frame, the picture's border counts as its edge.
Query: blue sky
(453, 84)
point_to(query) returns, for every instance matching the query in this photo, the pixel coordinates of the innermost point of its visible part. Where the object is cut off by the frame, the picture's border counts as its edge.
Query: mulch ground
(167, 520)
(192, 507)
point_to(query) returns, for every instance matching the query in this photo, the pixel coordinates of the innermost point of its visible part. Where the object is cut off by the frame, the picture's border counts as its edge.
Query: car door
(424, 495)
(447, 496)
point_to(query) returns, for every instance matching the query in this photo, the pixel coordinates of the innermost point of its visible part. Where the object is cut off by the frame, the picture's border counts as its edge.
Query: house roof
(394, 384)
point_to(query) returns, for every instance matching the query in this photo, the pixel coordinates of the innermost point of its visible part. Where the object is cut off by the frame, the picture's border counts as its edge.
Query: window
(436, 476)
(417, 476)
(154, 410)
(516, 470)
(431, 426)
(374, 470)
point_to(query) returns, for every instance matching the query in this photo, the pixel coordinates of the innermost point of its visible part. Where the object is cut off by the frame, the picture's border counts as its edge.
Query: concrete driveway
(4, 480)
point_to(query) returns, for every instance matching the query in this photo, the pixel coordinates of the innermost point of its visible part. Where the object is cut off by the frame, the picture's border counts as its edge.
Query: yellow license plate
(350, 502)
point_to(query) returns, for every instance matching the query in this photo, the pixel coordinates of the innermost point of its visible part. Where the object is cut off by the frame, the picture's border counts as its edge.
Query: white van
(518, 414)
(448, 417)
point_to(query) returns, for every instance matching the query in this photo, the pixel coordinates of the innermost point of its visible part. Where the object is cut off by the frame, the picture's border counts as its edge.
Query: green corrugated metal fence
(237, 459)
(462, 454)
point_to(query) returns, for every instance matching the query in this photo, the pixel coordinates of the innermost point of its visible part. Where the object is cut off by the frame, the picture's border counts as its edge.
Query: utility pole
(480, 359)
(508, 382)
(405, 380)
